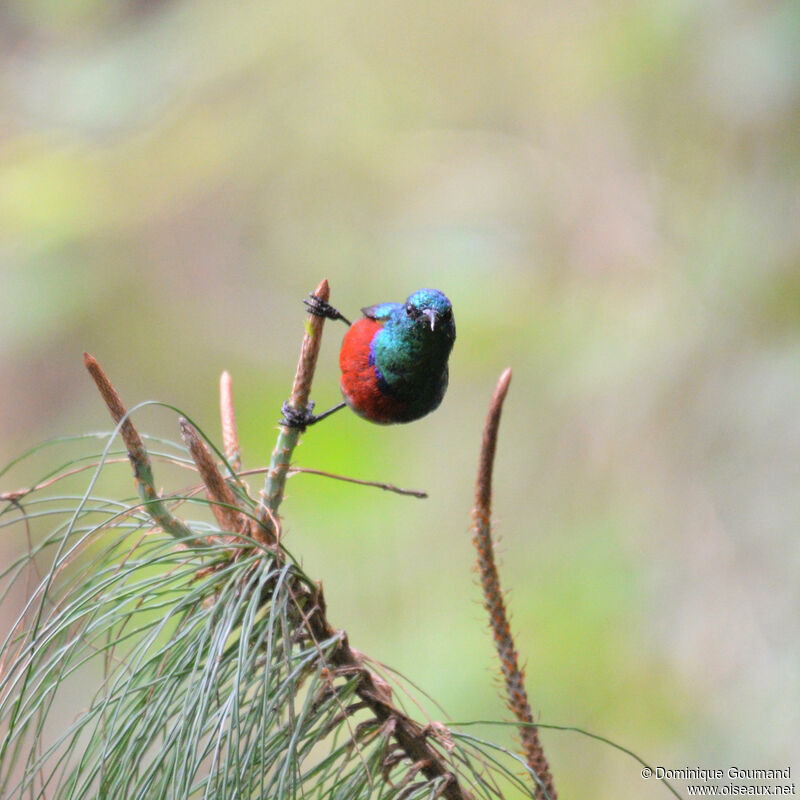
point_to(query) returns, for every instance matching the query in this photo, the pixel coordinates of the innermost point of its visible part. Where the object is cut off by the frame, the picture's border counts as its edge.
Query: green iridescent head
(431, 307)
(410, 352)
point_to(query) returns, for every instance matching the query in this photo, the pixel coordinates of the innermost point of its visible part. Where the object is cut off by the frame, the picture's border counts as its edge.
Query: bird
(394, 360)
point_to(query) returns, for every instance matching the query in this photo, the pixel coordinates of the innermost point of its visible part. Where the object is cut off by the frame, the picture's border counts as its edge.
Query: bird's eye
(447, 313)
(410, 310)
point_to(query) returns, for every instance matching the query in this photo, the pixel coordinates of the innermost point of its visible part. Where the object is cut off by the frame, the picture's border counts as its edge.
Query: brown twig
(493, 597)
(140, 460)
(387, 487)
(222, 499)
(288, 437)
(412, 737)
(18, 494)
(230, 435)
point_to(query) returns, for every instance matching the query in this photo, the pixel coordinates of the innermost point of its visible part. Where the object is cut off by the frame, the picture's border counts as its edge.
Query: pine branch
(490, 582)
(387, 487)
(137, 453)
(288, 436)
(222, 499)
(412, 737)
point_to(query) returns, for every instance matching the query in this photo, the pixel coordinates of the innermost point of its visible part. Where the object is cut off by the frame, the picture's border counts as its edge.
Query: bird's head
(431, 309)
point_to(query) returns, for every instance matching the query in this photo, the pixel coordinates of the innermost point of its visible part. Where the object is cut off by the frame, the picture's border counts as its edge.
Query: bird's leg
(322, 308)
(303, 417)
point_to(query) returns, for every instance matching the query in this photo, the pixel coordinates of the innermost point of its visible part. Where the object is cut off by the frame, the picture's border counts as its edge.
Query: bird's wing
(381, 312)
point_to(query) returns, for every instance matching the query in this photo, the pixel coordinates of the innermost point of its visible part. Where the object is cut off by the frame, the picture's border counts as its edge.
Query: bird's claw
(299, 418)
(322, 308)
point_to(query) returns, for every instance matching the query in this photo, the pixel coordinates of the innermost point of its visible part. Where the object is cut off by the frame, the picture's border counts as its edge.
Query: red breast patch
(359, 378)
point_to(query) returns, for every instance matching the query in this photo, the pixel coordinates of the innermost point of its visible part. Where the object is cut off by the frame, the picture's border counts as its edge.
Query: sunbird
(393, 360)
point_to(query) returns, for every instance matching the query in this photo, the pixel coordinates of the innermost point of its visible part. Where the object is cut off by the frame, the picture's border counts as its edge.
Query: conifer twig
(140, 460)
(387, 487)
(288, 437)
(376, 695)
(222, 499)
(18, 494)
(230, 435)
(493, 597)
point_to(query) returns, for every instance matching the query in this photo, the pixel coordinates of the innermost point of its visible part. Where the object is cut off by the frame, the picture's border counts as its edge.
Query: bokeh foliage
(608, 192)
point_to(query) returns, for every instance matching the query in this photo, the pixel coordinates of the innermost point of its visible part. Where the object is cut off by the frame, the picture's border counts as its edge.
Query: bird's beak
(431, 315)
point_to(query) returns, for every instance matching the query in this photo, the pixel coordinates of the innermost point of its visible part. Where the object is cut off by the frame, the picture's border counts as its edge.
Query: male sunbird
(393, 360)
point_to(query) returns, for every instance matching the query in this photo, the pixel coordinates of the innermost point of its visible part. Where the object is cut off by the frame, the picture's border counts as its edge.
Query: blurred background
(609, 193)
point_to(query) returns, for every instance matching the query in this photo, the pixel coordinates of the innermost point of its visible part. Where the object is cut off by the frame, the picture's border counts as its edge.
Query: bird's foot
(301, 418)
(322, 308)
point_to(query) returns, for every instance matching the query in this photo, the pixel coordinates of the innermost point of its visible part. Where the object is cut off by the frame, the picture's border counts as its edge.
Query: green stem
(140, 460)
(288, 438)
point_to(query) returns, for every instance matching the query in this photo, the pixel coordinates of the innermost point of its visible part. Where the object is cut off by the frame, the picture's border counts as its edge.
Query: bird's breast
(364, 387)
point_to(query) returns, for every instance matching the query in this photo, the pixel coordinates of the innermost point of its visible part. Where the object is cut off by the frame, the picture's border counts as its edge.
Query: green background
(609, 193)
